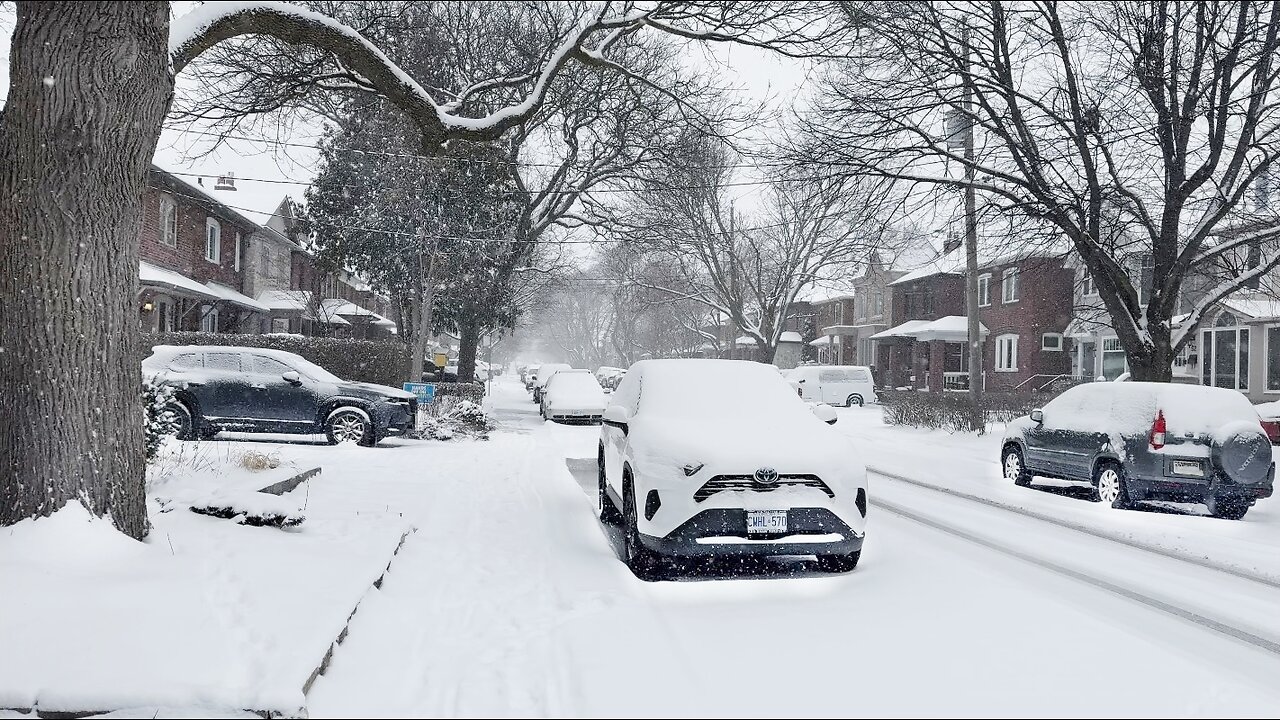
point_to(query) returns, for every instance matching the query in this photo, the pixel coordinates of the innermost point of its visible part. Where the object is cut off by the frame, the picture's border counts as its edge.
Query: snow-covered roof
(825, 290)
(904, 330)
(339, 306)
(991, 251)
(151, 276)
(824, 340)
(197, 193)
(285, 299)
(952, 328)
(790, 336)
(232, 296)
(745, 340)
(1254, 306)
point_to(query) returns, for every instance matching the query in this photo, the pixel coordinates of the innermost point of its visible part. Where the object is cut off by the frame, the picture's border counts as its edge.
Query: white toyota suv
(703, 458)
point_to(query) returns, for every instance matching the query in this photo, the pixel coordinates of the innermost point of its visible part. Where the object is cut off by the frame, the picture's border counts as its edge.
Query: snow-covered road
(510, 601)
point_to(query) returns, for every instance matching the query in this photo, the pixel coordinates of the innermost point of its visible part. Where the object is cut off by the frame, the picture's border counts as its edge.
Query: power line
(433, 158)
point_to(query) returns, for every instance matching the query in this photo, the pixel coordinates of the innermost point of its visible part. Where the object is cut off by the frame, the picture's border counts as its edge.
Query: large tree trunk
(90, 86)
(468, 341)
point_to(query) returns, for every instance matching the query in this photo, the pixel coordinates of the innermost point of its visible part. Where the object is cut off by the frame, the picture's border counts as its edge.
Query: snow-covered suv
(720, 457)
(1147, 441)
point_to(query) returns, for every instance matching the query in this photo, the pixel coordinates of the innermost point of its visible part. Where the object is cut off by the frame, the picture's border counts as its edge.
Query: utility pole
(978, 420)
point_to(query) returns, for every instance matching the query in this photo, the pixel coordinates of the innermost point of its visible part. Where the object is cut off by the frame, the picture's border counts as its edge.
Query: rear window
(229, 362)
(186, 361)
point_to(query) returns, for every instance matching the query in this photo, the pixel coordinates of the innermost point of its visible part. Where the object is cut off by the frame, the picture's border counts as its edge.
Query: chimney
(226, 182)
(953, 242)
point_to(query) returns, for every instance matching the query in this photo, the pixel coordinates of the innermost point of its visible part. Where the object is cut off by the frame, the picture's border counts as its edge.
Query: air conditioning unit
(226, 182)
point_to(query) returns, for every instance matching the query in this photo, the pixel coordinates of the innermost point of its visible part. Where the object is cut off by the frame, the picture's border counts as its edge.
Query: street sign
(426, 392)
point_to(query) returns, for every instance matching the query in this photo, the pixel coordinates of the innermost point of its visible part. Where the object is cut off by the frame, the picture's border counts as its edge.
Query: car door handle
(258, 386)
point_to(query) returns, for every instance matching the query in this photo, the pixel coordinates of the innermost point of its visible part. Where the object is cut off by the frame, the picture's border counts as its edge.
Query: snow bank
(205, 613)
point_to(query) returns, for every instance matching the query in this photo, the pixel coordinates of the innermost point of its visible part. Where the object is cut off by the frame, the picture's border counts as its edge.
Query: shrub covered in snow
(448, 418)
(381, 362)
(953, 412)
(158, 422)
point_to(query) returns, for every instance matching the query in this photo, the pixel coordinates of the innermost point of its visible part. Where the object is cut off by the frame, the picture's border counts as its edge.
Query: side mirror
(617, 416)
(825, 413)
(1037, 416)
(292, 377)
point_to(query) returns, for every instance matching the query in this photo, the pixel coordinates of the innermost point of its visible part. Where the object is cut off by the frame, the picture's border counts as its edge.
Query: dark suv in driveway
(258, 390)
(1138, 441)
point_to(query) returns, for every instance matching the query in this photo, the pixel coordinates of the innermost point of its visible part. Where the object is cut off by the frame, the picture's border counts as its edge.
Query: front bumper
(592, 416)
(722, 531)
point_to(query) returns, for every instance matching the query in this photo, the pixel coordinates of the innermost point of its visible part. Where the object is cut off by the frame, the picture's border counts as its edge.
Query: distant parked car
(846, 385)
(257, 390)
(573, 396)
(607, 376)
(1135, 441)
(544, 374)
(1270, 414)
(529, 375)
(705, 458)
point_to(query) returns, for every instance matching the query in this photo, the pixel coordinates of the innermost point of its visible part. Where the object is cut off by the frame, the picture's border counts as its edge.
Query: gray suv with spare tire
(1135, 441)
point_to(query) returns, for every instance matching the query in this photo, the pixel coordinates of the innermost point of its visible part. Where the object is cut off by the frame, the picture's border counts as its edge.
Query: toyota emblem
(767, 476)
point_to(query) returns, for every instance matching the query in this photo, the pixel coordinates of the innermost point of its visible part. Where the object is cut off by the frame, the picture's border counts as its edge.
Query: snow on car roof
(164, 352)
(1187, 408)
(741, 388)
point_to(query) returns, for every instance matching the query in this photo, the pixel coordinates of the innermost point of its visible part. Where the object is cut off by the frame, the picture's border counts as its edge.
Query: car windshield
(573, 381)
(717, 388)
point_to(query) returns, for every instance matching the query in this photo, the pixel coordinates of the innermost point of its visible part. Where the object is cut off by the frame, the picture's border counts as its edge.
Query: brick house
(192, 253)
(1025, 307)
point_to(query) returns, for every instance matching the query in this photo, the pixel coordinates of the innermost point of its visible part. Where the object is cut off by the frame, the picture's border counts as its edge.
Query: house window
(1225, 362)
(867, 352)
(168, 221)
(1051, 342)
(879, 304)
(237, 261)
(984, 290)
(1009, 291)
(164, 316)
(926, 298)
(212, 241)
(1007, 353)
(955, 357)
(1086, 284)
(208, 319)
(1273, 359)
(279, 325)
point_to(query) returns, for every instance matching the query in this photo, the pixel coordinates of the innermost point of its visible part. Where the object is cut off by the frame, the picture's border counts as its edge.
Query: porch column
(937, 364)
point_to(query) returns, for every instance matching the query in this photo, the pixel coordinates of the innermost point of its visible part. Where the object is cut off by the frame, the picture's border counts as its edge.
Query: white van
(846, 385)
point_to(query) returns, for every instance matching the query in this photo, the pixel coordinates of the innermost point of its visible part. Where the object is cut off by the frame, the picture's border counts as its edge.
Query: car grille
(722, 483)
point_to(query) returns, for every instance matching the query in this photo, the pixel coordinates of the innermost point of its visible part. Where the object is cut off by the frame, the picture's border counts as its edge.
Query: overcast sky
(759, 73)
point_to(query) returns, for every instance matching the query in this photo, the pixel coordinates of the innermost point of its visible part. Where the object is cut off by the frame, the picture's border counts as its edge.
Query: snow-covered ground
(510, 599)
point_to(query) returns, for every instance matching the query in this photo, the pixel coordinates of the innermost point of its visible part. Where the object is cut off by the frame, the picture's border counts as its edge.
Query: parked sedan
(257, 390)
(573, 397)
(1138, 441)
(704, 458)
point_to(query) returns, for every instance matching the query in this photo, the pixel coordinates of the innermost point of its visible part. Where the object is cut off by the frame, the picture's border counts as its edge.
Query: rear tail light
(1157, 431)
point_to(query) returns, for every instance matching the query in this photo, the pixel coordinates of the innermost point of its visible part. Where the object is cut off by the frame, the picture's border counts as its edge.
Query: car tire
(643, 562)
(854, 399)
(349, 425)
(1015, 467)
(1111, 486)
(1228, 508)
(186, 421)
(839, 563)
(609, 513)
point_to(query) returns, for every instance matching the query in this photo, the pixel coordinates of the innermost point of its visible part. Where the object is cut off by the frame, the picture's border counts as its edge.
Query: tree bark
(468, 342)
(90, 86)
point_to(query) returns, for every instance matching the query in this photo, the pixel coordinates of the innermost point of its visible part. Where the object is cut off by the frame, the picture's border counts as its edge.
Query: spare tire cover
(1245, 456)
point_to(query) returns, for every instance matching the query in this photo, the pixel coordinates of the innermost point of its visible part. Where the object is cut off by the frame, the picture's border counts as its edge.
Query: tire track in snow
(1238, 572)
(1263, 643)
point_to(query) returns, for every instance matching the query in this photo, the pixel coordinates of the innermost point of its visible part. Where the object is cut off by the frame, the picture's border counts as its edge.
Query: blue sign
(426, 392)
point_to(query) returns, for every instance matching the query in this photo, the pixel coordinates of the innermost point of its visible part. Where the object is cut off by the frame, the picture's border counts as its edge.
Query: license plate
(766, 522)
(1188, 467)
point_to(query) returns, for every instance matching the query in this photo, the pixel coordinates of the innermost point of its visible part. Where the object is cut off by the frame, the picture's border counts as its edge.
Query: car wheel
(1228, 508)
(609, 514)
(854, 399)
(642, 561)
(1015, 469)
(184, 423)
(349, 425)
(839, 563)
(1111, 486)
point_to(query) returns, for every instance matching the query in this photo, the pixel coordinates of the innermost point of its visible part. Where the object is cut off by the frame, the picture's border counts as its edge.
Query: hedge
(381, 362)
(953, 411)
